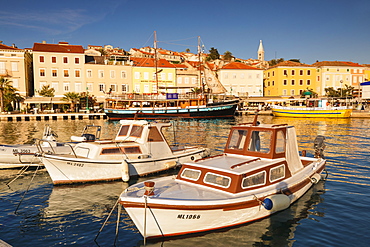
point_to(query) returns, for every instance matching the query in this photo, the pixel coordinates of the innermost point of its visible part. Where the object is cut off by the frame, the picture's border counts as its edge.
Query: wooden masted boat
(259, 173)
(139, 148)
(131, 106)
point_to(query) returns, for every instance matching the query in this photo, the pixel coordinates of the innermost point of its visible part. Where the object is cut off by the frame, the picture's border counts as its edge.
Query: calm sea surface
(334, 212)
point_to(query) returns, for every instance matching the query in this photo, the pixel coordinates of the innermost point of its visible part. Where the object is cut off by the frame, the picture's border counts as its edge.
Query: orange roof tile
(6, 47)
(238, 65)
(336, 63)
(59, 48)
(149, 62)
(291, 64)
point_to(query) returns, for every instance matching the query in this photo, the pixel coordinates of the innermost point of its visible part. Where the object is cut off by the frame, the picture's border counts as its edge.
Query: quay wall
(51, 116)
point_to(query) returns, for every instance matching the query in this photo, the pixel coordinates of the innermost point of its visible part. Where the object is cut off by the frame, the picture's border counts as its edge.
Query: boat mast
(156, 61)
(200, 64)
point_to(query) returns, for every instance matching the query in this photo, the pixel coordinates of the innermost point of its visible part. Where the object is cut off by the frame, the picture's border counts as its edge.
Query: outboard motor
(319, 146)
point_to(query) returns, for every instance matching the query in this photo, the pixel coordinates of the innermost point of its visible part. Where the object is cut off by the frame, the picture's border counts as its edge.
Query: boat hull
(67, 170)
(211, 111)
(171, 218)
(311, 112)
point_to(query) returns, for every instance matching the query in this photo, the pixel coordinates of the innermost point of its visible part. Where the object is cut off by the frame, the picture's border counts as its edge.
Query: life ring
(130, 96)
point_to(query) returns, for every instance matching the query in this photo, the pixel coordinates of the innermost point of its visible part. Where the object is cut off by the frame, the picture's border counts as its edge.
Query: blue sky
(306, 30)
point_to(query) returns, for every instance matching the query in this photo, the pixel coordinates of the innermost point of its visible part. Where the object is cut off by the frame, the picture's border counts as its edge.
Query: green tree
(47, 91)
(274, 62)
(73, 98)
(345, 92)
(213, 54)
(228, 56)
(295, 60)
(6, 88)
(309, 92)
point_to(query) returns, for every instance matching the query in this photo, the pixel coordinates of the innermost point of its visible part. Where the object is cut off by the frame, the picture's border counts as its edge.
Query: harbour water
(333, 213)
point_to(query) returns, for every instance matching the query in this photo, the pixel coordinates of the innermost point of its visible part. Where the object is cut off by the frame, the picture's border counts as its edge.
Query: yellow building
(144, 80)
(60, 66)
(290, 78)
(107, 77)
(15, 66)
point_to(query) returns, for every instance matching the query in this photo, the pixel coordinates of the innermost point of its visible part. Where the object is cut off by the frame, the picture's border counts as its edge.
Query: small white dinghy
(259, 173)
(138, 149)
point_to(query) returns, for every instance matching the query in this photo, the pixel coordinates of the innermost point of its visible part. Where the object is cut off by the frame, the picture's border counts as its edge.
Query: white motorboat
(259, 173)
(139, 148)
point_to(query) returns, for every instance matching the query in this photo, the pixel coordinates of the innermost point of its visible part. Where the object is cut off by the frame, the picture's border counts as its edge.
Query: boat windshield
(237, 139)
(260, 141)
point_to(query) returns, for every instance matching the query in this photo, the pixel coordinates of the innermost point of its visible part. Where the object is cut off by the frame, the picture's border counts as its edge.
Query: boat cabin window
(154, 135)
(122, 150)
(280, 142)
(216, 179)
(124, 130)
(254, 180)
(260, 141)
(190, 174)
(237, 140)
(277, 173)
(136, 131)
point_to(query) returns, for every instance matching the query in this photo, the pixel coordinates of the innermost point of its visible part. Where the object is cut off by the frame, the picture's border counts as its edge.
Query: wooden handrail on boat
(210, 157)
(243, 163)
(279, 125)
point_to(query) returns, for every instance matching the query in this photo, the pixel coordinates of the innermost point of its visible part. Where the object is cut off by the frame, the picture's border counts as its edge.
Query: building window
(273, 83)
(77, 60)
(14, 66)
(285, 72)
(89, 73)
(186, 80)
(146, 75)
(124, 88)
(101, 73)
(301, 72)
(78, 87)
(273, 73)
(53, 59)
(54, 72)
(308, 82)
(179, 80)
(42, 59)
(89, 87)
(123, 74)
(66, 87)
(170, 76)
(225, 76)
(42, 72)
(163, 76)
(194, 80)
(66, 73)
(292, 92)
(300, 82)
(101, 87)
(268, 74)
(77, 73)
(55, 85)
(234, 76)
(308, 72)
(293, 72)
(112, 74)
(293, 82)
(15, 83)
(284, 92)
(137, 75)
(285, 83)
(113, 87)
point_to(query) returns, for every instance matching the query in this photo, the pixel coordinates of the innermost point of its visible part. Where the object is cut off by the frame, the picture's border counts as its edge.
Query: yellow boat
(311, 112)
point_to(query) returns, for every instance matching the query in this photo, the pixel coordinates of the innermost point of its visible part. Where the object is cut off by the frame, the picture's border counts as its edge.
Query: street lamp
(341, 88)
(87, 98)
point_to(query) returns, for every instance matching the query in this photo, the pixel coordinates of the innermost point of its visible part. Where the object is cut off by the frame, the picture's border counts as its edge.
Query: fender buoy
(315, 178)
(130, 96)
(276, 202)
(125, 171)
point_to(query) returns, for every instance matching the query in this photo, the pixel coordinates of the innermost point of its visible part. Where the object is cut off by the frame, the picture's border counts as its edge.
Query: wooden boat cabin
(255, 156)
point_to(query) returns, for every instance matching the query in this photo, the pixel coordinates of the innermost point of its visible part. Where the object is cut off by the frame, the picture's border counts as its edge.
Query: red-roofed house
(144, 76)
(337, 74)
(241, 80)
(59, 65)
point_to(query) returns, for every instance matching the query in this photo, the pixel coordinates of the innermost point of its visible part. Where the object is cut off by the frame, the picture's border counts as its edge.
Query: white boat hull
(78, 170)
(168, 218)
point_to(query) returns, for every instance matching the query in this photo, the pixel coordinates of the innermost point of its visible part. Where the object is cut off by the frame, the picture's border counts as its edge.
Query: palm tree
(5, 86)
(73, 98)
